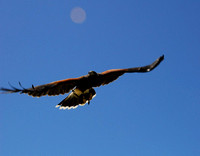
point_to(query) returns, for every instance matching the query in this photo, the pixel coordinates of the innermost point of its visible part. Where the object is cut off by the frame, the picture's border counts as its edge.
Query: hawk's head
(92, 73)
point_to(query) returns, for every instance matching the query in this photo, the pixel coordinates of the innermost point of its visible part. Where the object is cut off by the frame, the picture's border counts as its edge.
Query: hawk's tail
(76, 98)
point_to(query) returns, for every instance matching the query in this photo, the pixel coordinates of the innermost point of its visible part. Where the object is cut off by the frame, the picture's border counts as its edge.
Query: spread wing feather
(109, 76)
(51, 89)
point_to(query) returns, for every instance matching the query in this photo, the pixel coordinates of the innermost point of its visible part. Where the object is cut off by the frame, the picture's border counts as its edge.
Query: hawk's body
(82, 87)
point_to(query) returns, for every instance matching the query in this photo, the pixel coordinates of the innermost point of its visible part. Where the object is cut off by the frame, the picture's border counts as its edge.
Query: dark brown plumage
(82, 87)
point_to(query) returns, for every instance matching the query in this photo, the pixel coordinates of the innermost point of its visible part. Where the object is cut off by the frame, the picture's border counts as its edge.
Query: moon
(78, 15)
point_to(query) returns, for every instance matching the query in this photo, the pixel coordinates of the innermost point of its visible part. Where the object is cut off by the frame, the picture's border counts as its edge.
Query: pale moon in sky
(78, 15)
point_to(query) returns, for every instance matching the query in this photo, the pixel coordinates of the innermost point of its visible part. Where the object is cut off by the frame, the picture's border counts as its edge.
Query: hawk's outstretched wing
(51, 89)
(109, 76)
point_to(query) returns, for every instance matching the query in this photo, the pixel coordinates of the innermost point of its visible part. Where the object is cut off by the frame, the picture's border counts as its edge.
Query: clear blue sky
(151, 114)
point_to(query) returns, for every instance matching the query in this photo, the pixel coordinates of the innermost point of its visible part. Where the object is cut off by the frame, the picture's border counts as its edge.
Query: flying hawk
(82, 87)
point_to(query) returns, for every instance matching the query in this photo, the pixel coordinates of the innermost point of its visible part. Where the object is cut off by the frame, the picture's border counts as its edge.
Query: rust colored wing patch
(109, 76)
(51, 89)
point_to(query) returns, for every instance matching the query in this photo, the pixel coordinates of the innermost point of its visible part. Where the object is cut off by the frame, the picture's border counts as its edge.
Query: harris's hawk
(82, 87)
